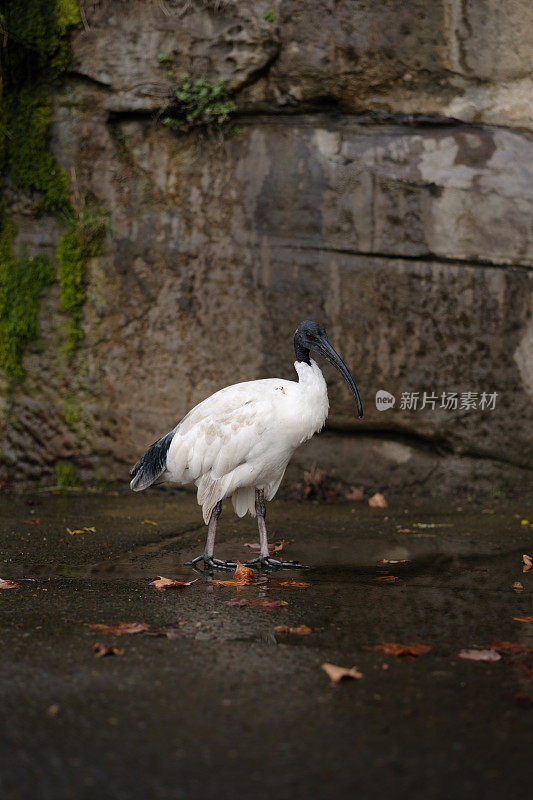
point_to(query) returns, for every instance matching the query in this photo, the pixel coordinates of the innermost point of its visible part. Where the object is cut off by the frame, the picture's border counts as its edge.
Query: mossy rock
(65, 475)
(22, 282)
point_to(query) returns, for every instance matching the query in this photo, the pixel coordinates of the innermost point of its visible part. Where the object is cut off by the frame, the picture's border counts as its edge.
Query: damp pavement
(230, 709)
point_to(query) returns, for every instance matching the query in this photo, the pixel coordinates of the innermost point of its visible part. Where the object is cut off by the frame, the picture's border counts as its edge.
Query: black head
(312, 336)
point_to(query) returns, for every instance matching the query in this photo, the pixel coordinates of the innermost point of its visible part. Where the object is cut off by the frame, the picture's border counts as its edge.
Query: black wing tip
(152, 464)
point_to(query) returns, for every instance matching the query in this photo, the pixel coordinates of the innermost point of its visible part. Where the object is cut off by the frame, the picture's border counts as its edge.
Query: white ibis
(239, 441)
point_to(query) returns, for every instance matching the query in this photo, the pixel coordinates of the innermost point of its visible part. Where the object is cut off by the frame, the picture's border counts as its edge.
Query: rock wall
(382, 184)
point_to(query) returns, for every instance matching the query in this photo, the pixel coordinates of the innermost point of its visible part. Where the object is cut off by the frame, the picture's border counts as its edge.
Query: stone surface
(408, 236)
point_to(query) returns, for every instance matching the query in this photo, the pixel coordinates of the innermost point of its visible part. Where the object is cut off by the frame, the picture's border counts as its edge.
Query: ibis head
(312, 336)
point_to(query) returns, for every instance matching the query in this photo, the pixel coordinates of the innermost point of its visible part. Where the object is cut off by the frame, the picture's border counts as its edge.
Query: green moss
(35, 53)
(83, 240)
(65, 475)
(31, 162)
(71, 413)
(22, 281)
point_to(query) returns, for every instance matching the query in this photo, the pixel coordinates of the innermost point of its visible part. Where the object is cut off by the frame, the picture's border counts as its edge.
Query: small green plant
(83, 240)
(268, 15)
(200, 104)
(65, 475)
(165, 58)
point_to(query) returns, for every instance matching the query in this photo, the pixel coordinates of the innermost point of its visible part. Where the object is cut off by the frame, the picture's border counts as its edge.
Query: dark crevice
(261, 72)
(139, 115)
(424, 257)
(82, 77)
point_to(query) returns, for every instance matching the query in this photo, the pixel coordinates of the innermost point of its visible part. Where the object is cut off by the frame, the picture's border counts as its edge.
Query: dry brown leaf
(299, 630)
(377, 501)
(394, 561)
(101, 650)
(149, 522)
(336, 674)
(512, 648)
(243, 576)
(119, 628)
(526, 667)
(397, 649)
(523, 619)
(518, 587)
(169, 583)
(35, 521)
(528, 563)
(290, 584)
(387, 578)
(479, 655)
(355, 495)
(404, 530)
(8, 584)
(257, 602)
(523, 699)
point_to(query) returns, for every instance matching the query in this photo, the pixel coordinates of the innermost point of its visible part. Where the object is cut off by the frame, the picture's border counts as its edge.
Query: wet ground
(230, 709)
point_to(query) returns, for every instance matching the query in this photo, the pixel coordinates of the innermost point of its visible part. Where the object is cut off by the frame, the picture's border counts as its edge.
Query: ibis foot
(273, 563)
(210, 562)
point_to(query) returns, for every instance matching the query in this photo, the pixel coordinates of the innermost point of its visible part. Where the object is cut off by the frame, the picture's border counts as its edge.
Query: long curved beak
(331, 355)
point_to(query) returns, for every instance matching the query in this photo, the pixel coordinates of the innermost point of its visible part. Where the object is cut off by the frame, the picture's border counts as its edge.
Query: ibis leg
(207, 556)
(264, 558)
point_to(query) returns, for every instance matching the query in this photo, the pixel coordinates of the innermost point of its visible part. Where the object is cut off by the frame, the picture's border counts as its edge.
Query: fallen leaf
(92, 529)
(377, 501)
(404, 530)
(518, 587)
(77, 531)
(398, 650)
(290, 584)
(524, 522)
(32, 521)
(336, 674)
(479, 655)
(525, 667)
(118, 628)
(528, 563)
(394, 561)
(432, 525)
(257, 602)
(149, 522)
(512, 648)
(523, 699)
(168, 583)
(243, 576)
(299, 630)
(523, 619)
(388, 578)
(355, 495)
(101, 650)
(8, 584)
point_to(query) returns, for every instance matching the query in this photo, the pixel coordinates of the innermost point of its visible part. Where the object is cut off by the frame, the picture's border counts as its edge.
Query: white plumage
(238, 442)
(242, 438)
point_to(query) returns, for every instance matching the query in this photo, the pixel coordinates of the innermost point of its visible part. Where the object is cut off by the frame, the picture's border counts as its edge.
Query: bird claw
(273, 563)
(210, 563)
